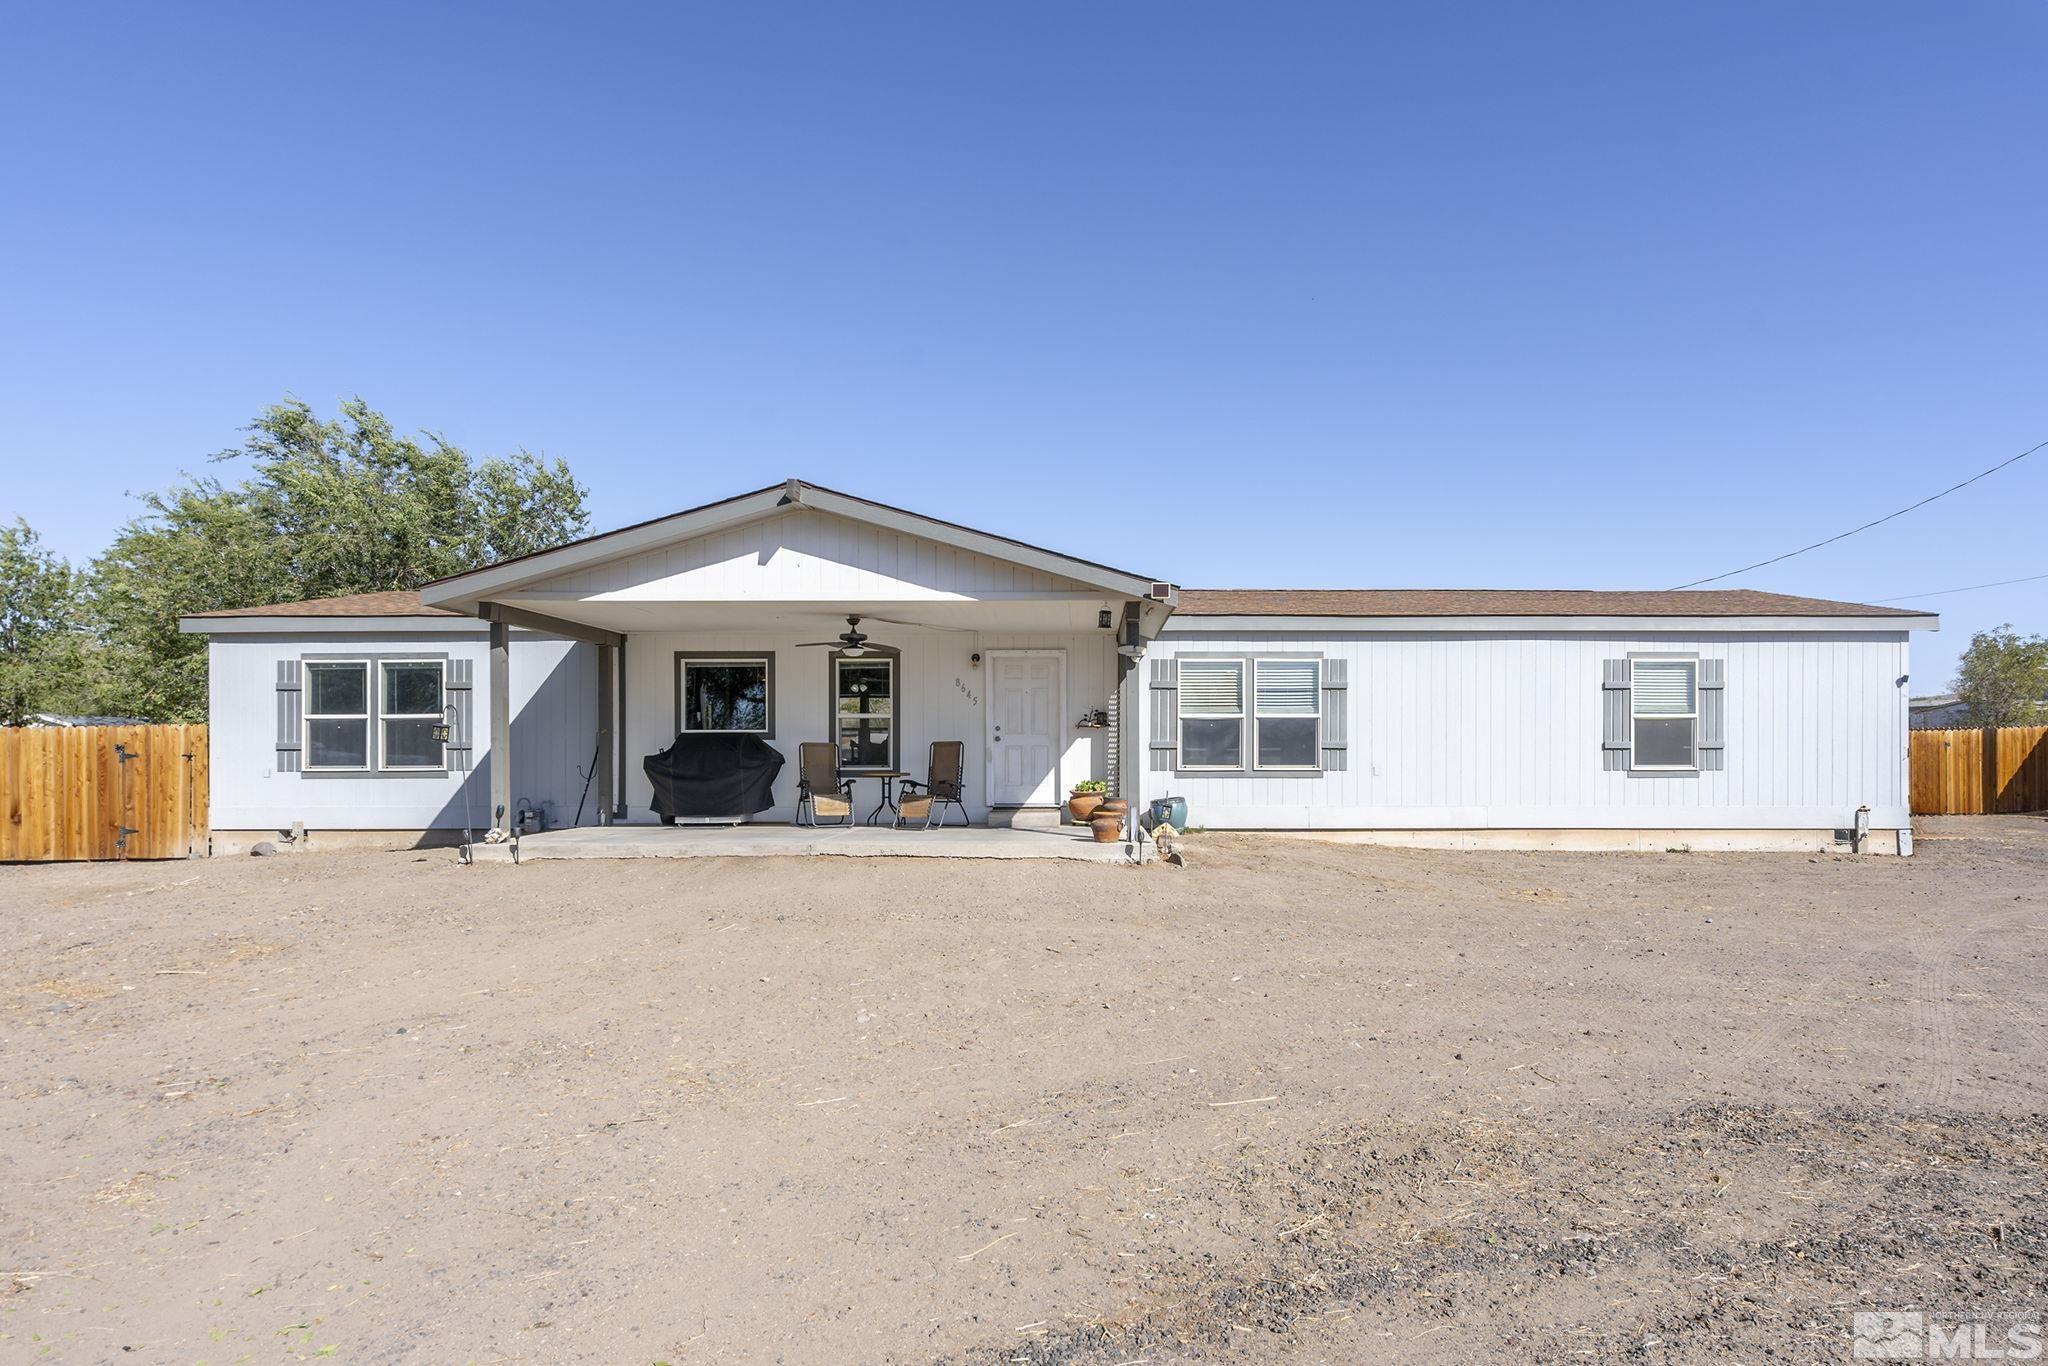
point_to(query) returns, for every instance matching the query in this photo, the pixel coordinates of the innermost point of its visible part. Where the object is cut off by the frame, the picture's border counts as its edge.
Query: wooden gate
(1980, 772)
(102, 792)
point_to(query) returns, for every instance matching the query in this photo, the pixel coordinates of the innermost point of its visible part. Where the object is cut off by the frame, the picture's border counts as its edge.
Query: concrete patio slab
(776, 841)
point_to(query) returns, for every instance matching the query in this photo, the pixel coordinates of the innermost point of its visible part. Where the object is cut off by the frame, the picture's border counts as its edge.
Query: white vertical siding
(554, 711)
(1447, 731)
(1476, 731)
(803, 556)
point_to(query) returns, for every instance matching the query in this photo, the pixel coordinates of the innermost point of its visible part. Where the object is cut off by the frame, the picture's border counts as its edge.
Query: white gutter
(1181, 625)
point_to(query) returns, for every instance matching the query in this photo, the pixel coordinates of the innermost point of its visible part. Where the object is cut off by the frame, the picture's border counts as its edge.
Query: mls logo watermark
(1911, 1335)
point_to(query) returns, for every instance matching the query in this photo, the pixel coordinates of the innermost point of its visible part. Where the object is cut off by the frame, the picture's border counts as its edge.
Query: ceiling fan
(852, 641)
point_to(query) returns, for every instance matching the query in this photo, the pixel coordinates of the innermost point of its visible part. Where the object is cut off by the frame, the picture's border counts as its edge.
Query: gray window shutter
(1165, 714)
(290, 710)
(1616, 736)
(460, 690)
(1713, 753)
(1336, 716)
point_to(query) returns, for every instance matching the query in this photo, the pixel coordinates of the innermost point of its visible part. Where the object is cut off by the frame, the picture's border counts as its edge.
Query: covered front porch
(1048, 841)
(1025, 687)
(799, 616)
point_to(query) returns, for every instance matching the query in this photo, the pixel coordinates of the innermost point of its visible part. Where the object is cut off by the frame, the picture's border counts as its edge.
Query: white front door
(1023, 729)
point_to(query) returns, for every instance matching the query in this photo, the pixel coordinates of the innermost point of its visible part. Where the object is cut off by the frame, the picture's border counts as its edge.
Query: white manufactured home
(794, 614)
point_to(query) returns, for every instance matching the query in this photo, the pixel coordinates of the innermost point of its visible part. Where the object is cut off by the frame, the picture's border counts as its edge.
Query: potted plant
(1107, 820)
(1086, 797)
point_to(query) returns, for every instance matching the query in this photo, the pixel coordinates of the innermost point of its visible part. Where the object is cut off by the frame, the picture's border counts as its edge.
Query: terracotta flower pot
(1113, 805)
(1082, 805)
(1107, 826)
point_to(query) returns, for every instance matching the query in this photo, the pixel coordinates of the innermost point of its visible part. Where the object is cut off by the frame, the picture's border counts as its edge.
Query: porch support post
(1122, 783)
(1125, 780)
(607, 739)
(501, 725)
(619, 785)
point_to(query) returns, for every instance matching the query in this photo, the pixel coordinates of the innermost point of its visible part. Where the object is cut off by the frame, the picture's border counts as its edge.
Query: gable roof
(1338, 603)
(466, 589)
(394, 604)
(1513, 602)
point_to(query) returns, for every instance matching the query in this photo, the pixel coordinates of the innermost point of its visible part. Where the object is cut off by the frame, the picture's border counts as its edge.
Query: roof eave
(1183, 623)
(299, 624)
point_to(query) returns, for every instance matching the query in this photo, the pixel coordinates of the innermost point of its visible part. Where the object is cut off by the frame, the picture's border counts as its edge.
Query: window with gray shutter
(290, 708)
(1664, 701)
(1278, 715)
(1213, 696)
(1165, 744)
(1616, 721)
(336, 712)
(412, 708)
(1713, 753)
(1287, 704)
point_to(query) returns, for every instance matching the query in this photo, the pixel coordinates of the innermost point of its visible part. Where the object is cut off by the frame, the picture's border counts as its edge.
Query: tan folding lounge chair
(945, 770)
(821, 792)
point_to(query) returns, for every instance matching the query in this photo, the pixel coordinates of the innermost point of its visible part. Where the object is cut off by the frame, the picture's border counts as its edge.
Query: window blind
(1286, 687)
(1211, 687)
(1664, 687)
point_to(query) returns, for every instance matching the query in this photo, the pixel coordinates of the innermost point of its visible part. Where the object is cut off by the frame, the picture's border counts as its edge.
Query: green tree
(2003, 678)
(329, 507)
(44, 658)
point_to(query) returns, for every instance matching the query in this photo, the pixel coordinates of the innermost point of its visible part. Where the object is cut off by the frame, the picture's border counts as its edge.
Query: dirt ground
(1295, 1102)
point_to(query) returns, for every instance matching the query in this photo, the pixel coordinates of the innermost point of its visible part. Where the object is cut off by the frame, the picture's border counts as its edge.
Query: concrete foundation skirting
(854, 841)
(1614, 841)
(1022, 841)
(229, 842)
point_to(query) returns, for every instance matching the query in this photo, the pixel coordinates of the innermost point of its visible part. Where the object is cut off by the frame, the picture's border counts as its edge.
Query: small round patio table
(888, 802)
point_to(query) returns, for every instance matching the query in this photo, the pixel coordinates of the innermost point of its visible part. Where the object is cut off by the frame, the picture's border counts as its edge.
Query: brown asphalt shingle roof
(1512, 602)
(1309, 602)
(395, 604)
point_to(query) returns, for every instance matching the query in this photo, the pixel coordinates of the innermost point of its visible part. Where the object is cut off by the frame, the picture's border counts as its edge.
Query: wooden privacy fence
(102, 792)
(1979, 772)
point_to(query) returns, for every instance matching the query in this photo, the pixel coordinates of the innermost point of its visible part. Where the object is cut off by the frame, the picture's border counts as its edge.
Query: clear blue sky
(1525, 295)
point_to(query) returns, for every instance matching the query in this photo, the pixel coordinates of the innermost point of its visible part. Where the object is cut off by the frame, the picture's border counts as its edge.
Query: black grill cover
(721, 774)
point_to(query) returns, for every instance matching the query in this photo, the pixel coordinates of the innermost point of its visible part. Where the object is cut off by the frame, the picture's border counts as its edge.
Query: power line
(1943, 592)
(1867, 525)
